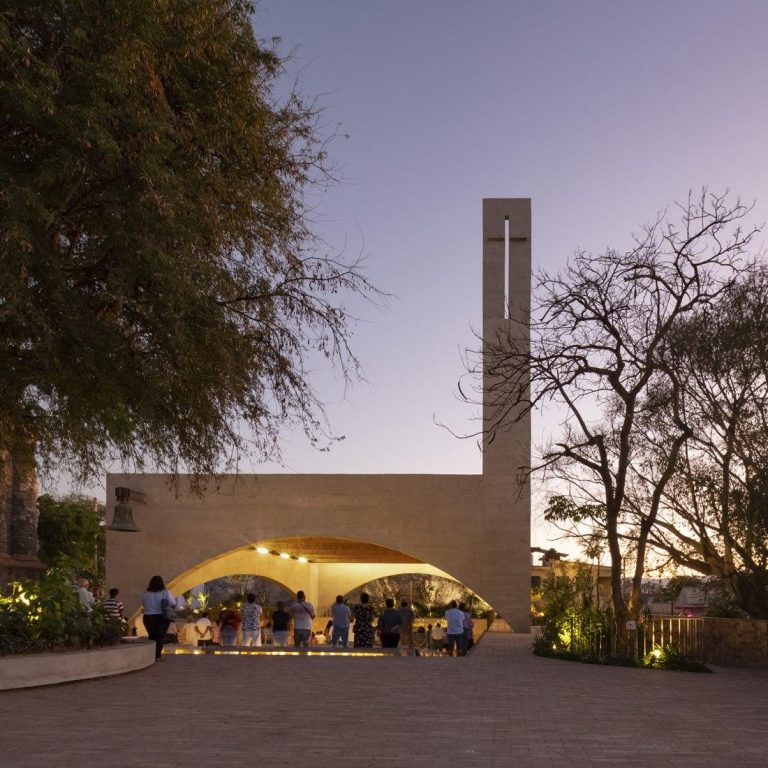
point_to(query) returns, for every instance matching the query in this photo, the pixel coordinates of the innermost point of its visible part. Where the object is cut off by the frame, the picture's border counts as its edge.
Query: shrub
(46, 615)
(669, 657)
(571, 626)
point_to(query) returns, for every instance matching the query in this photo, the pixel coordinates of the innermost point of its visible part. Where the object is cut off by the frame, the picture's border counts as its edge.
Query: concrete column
(506, 513)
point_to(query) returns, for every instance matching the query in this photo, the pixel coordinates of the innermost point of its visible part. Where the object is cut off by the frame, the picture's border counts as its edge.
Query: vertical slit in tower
(506, 267)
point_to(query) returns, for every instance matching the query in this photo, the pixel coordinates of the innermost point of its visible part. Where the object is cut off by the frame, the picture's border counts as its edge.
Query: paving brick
(500, 706)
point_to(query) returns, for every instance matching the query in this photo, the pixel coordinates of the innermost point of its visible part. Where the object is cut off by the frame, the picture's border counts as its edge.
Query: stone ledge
(35, 669)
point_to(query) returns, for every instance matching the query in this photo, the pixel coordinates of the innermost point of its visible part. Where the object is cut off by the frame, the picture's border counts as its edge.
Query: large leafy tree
(160, 286)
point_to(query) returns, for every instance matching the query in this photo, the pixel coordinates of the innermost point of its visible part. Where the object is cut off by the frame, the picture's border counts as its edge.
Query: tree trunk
(26, 489)
(6, 498)
(19, 490)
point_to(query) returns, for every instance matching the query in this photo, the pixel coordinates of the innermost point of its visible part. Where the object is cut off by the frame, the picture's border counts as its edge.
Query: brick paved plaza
(500, 706)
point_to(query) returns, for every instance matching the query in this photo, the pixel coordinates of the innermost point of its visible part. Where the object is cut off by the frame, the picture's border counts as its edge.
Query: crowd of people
(247, 624)
(391, 628)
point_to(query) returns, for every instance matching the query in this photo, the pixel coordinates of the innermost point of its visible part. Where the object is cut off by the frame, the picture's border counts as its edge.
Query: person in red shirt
(229, 621)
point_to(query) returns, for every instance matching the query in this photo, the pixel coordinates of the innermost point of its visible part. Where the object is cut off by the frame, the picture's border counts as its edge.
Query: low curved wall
(30, 670)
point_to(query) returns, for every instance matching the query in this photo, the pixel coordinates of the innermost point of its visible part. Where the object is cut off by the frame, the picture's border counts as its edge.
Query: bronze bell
(122, 520)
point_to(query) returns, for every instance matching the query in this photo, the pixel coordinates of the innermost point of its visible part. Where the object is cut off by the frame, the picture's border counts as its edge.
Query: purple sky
(601, 112)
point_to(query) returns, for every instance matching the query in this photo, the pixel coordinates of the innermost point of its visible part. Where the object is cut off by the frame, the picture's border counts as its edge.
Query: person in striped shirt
(113, 606)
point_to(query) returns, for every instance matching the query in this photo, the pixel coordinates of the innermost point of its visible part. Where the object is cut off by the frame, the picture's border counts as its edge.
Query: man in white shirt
(204, 630)
(454, 619)
(303, 613)
(86, 596)
(437, 636)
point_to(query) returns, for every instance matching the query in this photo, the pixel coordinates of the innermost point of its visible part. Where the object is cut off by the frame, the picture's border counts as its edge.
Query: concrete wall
(188, 539)
(35, 669)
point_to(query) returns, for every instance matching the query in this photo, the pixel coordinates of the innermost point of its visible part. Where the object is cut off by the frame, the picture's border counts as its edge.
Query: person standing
(467, 641)
(437, 637)
(113, 606)
(87, 599)
(229, 621)
(340, 614)
(156, 601)
(303, 613)
(251, 621)
(280, 622)
(454, 620)
(407, 617)
(363, 616)
(389, 625)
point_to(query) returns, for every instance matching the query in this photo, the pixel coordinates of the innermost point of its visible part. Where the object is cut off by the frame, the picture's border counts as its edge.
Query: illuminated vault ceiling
(325, 550)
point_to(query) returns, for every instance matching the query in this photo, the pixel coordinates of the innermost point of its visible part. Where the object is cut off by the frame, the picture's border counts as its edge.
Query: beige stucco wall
(188, 539)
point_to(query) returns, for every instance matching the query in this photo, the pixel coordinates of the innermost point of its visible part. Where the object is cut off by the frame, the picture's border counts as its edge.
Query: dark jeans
(157, 628)
(340, 636)
(390, 639)
(458, 641)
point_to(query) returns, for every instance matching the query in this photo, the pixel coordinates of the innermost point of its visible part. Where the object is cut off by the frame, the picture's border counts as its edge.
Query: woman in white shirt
(155, 599)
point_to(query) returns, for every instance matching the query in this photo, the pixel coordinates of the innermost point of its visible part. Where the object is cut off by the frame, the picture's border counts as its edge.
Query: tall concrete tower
(506, 302)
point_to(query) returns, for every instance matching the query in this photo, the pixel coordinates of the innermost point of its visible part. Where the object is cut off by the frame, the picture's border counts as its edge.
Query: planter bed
(34, 669)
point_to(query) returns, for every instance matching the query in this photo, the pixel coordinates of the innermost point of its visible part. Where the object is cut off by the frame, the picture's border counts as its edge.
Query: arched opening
(323, 567)
(429, 595)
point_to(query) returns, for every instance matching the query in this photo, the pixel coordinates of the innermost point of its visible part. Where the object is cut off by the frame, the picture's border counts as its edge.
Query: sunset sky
(602, 112)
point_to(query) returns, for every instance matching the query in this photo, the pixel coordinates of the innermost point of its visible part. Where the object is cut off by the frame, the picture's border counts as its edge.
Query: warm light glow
(237, 652)
(303, 559)
(262, 550)
(285, 556)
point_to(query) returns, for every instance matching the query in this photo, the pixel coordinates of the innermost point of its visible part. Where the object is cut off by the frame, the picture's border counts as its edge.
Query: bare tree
(599, 333)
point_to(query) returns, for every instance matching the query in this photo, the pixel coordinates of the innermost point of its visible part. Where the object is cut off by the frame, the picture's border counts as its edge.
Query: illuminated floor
(171, 650)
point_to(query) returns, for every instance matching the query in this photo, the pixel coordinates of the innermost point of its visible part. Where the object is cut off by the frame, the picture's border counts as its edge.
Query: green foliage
(47, 615)
(71, 534)
(160, 284)
(669, 657)
(571, 626)
(561, 509)
(574, 630)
